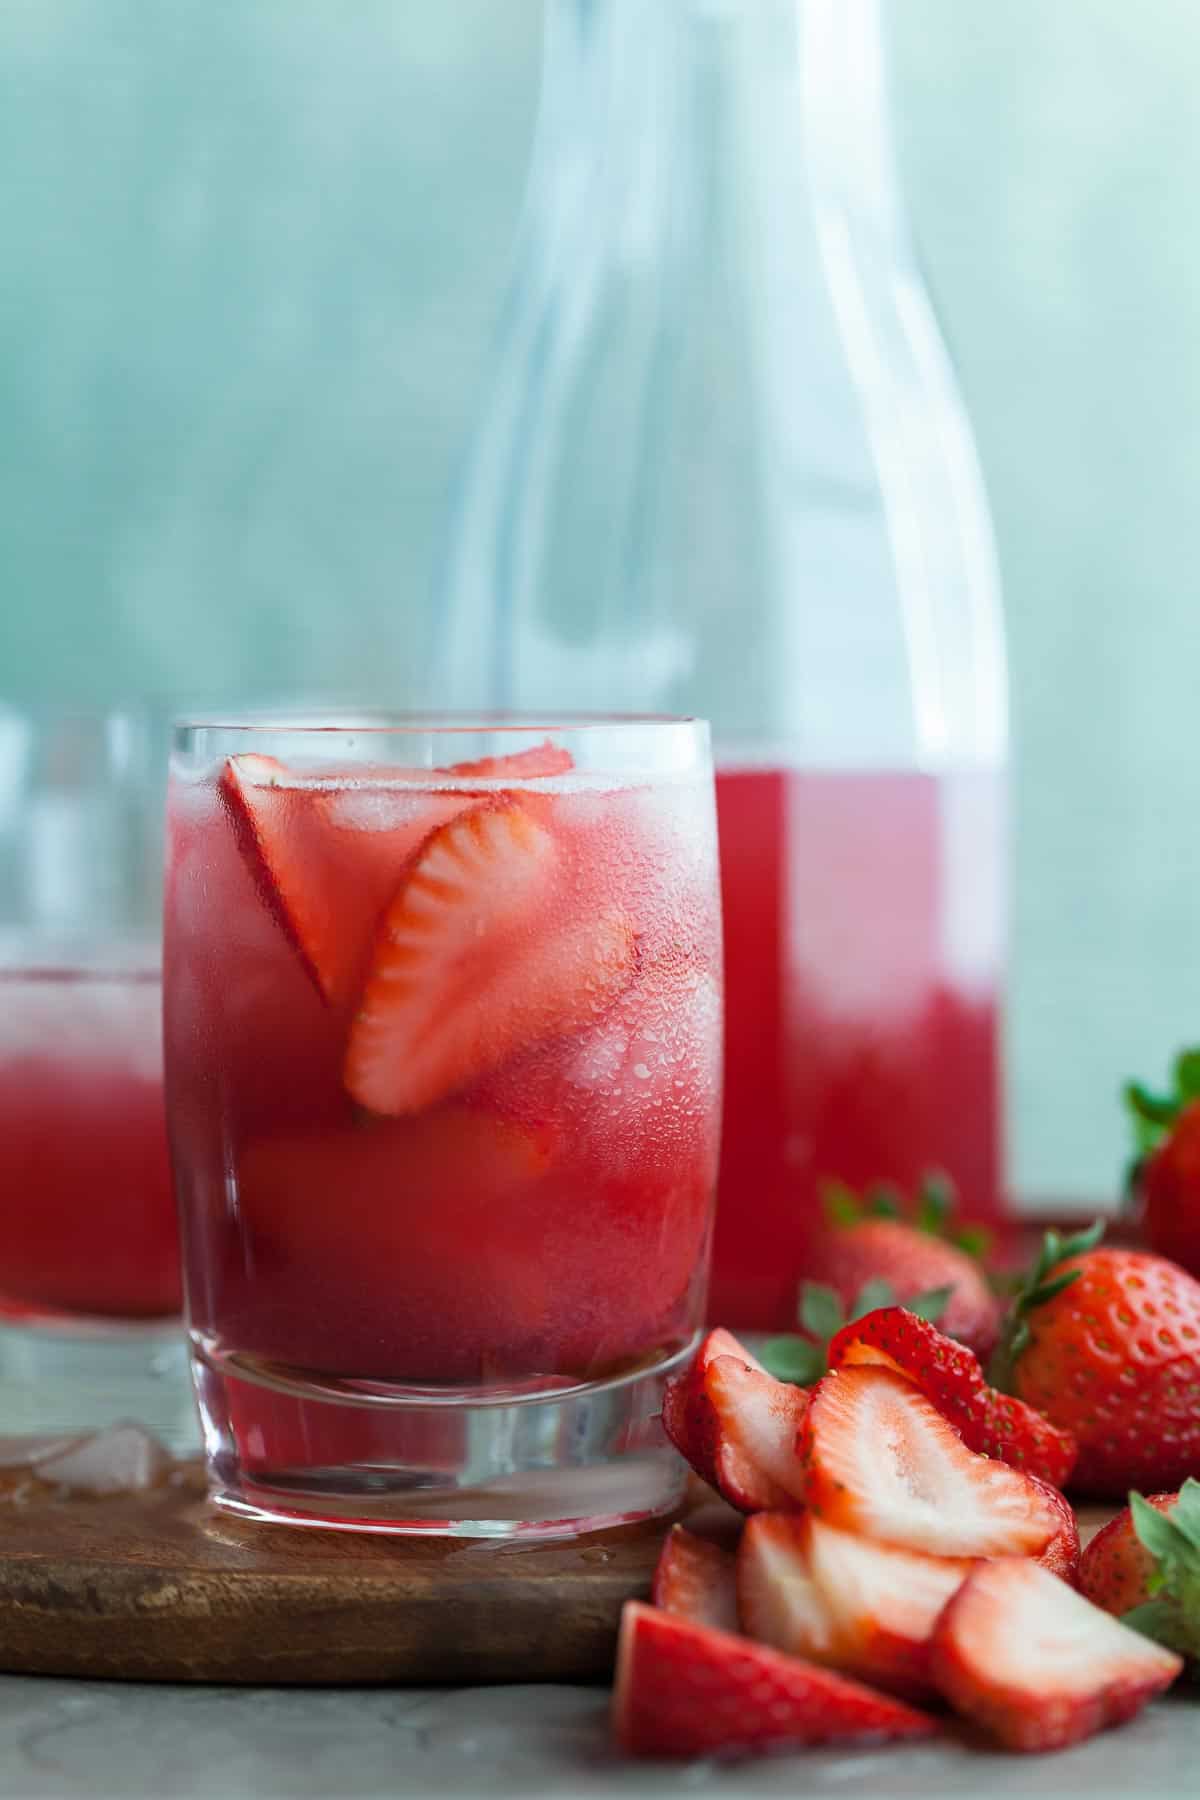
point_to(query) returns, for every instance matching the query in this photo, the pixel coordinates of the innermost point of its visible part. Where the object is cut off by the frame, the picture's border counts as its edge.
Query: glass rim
(347, 721)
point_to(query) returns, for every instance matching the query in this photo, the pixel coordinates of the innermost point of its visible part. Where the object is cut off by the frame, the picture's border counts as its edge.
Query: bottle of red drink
(722, 466)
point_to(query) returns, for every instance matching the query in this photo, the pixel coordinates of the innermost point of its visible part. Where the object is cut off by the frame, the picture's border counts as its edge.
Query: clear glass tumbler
(89, 1250)
(443, 1021)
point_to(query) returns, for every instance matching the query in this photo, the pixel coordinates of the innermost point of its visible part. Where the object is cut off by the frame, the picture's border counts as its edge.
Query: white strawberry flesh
(1036, 1664)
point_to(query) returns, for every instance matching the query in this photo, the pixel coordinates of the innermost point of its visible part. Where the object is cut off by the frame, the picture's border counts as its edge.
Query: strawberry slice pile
(888, 1563)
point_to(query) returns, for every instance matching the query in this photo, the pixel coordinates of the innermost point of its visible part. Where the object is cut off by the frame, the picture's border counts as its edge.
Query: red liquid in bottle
(862, 961)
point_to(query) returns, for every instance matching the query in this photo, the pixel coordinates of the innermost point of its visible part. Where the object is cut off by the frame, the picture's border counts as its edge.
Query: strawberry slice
(1061, 1554)
(697, 1580)
(867, 1609)
(326, 858)
(990, 1422)
(737, 1426)
(753, 1425)
(1036, 1664)
(881, 1460)
(778, 1601)
(684, 1690)
(523, 765)
(686, 1413)
(478, 956)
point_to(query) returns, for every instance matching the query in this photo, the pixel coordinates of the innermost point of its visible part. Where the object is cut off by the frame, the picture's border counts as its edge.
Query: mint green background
(250, 256)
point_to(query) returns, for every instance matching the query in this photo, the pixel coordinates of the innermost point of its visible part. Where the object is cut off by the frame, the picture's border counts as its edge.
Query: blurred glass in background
(252, 262)
(89, 1257)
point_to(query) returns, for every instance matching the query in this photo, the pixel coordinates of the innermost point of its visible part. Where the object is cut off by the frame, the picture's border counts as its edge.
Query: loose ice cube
(123, 1458)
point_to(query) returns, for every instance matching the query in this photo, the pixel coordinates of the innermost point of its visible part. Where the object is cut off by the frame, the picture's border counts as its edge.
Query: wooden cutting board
(160, 1586)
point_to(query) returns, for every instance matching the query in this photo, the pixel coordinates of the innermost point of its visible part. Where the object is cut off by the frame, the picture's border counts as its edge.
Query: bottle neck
(659, 116)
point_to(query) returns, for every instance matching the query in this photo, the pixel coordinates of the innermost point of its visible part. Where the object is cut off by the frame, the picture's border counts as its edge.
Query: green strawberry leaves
(803, 1360)
(1171, 1616)
(795, 1359)
(1153, 1115)
(1046, 1279)
(821, 1311)
(931, 1210)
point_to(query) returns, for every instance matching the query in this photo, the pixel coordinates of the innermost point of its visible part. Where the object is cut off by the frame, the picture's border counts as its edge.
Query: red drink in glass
(443, 1072)
(862, 946)
(88, 1223)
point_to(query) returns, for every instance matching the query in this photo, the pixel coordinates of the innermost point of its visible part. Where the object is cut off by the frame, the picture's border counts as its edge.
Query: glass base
(67, 1375)
(359, 1456)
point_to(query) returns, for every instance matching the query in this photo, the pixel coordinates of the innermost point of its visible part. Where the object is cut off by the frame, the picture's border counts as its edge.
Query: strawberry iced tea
(443, 1072)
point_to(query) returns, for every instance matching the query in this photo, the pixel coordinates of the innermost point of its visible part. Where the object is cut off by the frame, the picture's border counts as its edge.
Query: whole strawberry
(1164, 1180)
(1145, 1567)
(863, 1244)
(1106, 1343)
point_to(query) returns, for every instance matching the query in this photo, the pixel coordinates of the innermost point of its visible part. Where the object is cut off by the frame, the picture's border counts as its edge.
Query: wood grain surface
(160, 1586)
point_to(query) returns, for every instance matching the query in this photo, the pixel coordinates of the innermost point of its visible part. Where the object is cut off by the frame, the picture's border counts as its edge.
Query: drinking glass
(443, 1020)
(89, 1251)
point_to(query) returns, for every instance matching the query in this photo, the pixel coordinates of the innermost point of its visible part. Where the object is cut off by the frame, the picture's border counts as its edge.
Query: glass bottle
(722, 466)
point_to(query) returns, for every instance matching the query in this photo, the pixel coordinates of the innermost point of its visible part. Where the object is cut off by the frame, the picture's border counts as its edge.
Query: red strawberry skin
(752, 1428)
(846, 1257)
(686, 1414)
(988, 1421)
(522, 765)
(1061, 1554)
(1116, 1565)
(1034, 1664)
(1169, 1187)
(697, 1580)
(1115, 1360)
(737, 1426)
(683, 1690)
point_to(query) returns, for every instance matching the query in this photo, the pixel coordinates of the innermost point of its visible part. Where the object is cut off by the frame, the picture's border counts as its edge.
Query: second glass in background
(89, 1249)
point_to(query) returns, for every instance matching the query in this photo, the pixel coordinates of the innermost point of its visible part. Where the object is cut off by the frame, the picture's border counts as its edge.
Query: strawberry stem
(1172, 1615)
(804, 1359)
(1152, 1115)
(1045, 1280)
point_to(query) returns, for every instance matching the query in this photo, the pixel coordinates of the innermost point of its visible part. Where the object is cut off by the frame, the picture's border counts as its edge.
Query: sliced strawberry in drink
(295, 886)
(523, 765)
(684, 1690)
(868, 1609)
(326, 858)
(881, 1460)
(1036, 1664)
(697, 1580)
(479, 954)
